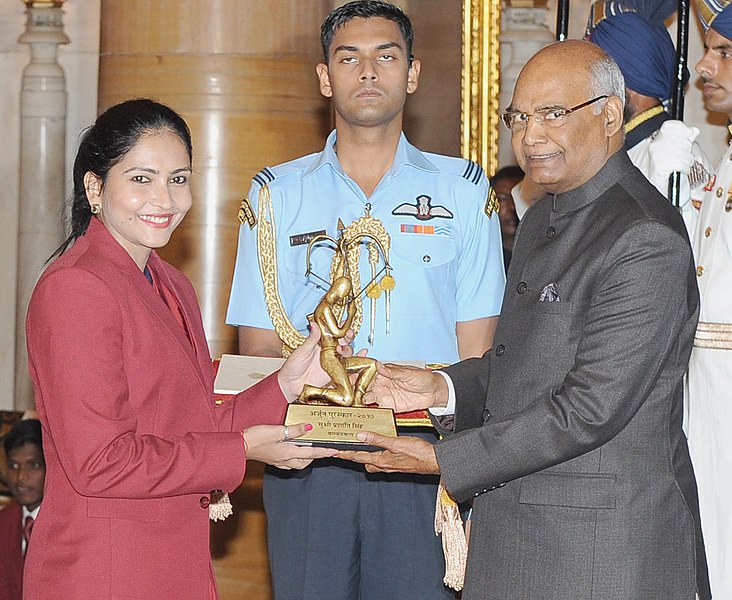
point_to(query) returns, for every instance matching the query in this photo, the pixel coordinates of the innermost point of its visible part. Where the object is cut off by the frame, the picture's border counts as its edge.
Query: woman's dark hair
(365, 9)
(104, 144)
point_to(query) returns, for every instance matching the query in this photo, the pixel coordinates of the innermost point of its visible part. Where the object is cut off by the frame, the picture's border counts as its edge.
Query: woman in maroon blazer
(134, 442)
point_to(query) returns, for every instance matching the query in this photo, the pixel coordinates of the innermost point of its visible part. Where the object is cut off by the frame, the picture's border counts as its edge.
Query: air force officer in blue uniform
(336, 532)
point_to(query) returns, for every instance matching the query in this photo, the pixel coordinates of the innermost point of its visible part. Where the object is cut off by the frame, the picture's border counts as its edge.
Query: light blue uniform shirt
(448, 268)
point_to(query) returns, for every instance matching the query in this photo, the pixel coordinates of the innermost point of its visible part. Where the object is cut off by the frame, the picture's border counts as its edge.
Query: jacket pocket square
(549, 294)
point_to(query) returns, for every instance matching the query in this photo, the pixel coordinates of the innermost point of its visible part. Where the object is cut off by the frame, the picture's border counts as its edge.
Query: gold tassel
(374, 288)
(454, 543)
(220, 506)
(388, 284)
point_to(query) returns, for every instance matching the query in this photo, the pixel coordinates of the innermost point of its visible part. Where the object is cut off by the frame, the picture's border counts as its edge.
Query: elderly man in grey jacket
(567, 433)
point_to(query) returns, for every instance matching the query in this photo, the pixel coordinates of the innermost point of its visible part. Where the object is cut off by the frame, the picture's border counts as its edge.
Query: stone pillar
(242, 74)
(524, 31)
(42, 166)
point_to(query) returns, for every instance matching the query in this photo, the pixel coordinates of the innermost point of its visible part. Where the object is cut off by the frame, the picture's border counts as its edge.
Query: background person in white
(633, 33)
(709, 418)
(336, 532)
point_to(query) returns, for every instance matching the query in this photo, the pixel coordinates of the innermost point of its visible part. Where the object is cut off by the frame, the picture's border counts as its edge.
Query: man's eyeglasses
(551, 117)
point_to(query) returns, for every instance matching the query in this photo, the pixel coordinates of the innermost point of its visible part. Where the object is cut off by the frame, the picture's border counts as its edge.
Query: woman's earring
(96, 208)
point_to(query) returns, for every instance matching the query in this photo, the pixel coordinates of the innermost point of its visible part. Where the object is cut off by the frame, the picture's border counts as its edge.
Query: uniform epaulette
(264, 177)
(473, 172)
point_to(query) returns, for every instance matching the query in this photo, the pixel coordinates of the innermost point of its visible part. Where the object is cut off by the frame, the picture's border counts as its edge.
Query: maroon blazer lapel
(119, 261)
(158, 307)
(197, 347)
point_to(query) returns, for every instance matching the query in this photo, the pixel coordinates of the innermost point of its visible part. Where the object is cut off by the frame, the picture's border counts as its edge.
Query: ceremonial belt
(714, 335)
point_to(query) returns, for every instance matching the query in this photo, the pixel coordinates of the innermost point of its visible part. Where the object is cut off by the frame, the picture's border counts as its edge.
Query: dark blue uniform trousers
(336, 532)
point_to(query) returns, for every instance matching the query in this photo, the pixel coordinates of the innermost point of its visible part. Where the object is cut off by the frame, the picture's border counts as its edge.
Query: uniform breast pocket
(300, 294)
(429, 252)
(295, 261)
(424, 268)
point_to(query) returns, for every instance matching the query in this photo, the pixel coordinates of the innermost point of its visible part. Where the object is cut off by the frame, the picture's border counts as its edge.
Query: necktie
(27, 528)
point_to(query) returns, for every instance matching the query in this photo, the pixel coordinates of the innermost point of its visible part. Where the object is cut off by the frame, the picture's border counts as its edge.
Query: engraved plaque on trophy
(337, 426)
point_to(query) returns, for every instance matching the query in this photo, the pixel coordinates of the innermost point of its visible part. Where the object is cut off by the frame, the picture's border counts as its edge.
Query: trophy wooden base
(337, 426)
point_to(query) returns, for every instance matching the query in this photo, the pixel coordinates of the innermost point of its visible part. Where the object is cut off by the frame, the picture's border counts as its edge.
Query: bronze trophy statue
(336, 411)
(339, 299)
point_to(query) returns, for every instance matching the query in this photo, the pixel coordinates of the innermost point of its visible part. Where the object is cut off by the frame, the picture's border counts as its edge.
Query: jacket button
(551, 232)
(204, 502)
(426, 258)
(500, 350)
(486, 414)
(720, 191)
(522, 287)
(699, 271)
(707, 232)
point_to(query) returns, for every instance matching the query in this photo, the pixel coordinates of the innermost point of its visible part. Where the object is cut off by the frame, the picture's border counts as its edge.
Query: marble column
(524, 31)
(42, 166)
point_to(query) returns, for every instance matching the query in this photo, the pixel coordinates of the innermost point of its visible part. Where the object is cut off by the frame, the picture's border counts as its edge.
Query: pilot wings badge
(422, 209)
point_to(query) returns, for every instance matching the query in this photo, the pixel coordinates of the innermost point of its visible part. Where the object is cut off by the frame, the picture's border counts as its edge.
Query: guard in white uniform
(645, 53)
(709, 422)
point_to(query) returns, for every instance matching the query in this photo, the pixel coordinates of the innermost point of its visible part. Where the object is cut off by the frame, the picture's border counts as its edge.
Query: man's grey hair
(606, 79)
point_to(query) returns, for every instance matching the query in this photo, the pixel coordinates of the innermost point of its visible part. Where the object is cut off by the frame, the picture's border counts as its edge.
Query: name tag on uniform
(304, 238)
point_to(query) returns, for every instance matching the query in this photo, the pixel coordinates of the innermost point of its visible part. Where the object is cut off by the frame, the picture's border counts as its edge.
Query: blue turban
(645, 54)
(716, 14)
